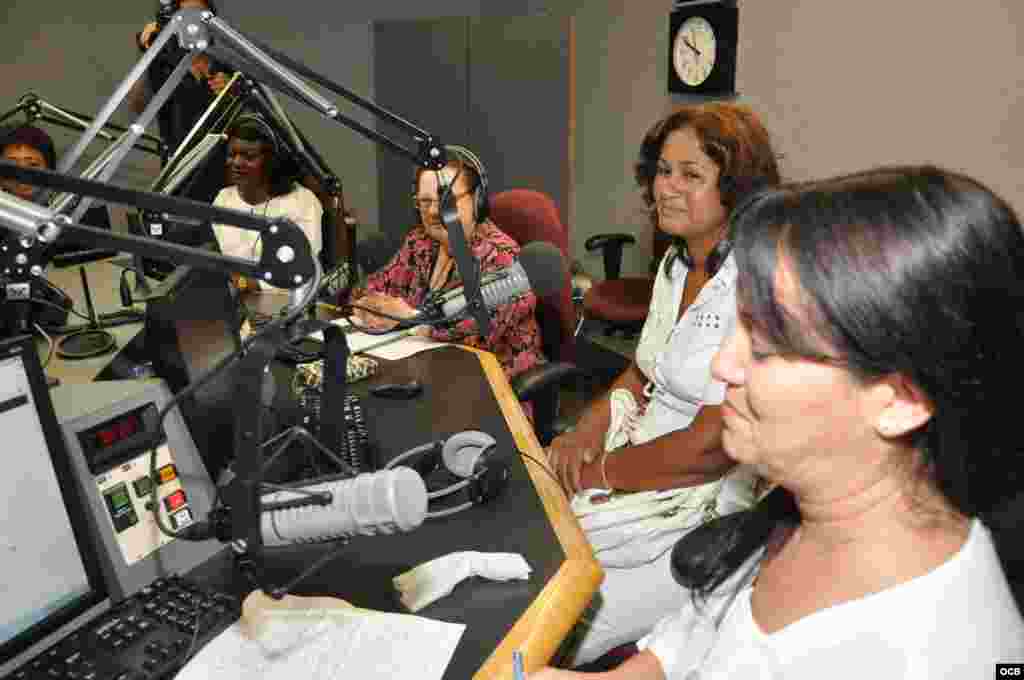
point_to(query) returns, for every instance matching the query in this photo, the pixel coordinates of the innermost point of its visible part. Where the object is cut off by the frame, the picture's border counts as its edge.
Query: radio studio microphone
(372, 503)
(540, 268)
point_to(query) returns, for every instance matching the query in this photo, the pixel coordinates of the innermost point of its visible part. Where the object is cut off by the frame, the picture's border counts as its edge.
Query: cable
(220, 366)
(548, 471)
(50, 345)
(47, 303)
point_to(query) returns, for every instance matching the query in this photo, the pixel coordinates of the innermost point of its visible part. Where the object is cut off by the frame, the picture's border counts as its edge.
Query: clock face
(694, 51)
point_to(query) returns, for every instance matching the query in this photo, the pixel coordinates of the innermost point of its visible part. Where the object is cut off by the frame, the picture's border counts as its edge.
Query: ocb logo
(1009, 670)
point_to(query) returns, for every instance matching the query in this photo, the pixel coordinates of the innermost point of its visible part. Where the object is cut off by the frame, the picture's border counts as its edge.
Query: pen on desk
(518, 672)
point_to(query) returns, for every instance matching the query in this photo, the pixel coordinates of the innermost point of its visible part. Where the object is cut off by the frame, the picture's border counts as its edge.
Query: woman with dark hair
(868, 380)
(29, 147)
(658, 431)
(262, 183)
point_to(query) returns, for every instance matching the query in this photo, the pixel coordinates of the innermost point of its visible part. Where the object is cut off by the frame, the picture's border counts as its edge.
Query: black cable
(47, 303)
(549, 472)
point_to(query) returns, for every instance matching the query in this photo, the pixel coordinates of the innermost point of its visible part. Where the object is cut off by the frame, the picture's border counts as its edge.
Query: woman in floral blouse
(425, 264)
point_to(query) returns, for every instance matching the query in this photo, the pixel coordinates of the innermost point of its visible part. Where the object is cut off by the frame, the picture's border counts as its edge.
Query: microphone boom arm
(36, 108)
(286, 261)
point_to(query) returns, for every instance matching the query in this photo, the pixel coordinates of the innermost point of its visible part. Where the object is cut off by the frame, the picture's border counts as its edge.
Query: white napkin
(433, 580)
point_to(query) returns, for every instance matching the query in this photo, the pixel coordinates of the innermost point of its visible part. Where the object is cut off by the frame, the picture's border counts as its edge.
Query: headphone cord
(545, 468)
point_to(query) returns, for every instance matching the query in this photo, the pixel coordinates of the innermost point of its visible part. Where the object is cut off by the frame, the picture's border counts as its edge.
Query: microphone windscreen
(374, 503)
(544, 267)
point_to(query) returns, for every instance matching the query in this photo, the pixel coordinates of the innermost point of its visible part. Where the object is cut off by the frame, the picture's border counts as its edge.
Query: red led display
(118, 431)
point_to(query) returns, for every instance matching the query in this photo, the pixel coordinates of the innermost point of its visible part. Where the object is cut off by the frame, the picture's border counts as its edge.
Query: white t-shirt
(953, 623)
(299, 205)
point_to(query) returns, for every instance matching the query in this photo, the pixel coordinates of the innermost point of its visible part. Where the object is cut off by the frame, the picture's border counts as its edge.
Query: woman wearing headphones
(658, 430)
(261, 184)
(425, 264)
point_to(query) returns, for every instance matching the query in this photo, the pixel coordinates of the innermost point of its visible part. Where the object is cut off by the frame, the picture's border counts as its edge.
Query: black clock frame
(724, 19)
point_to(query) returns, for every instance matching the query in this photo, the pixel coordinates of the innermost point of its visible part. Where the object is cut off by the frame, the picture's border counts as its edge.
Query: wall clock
(702, 49)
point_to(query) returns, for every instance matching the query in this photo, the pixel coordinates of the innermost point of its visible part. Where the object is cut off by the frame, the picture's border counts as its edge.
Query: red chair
(527, 216)
(621, 303)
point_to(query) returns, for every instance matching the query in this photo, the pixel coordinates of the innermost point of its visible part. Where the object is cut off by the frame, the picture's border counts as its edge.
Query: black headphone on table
(468, 457)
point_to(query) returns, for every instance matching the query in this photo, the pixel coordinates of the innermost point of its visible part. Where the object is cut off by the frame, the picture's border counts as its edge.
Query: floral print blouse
(515, 335)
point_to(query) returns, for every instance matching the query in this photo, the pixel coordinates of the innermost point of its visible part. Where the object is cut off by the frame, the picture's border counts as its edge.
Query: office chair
(619, 302)
(529, 216)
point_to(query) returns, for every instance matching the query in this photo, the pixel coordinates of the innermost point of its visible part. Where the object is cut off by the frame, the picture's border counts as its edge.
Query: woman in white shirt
(261, 184)
(868, 378)
(659, 430)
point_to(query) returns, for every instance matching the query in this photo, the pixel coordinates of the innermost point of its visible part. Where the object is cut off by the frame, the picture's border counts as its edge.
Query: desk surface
(103, 277)
(532, 516)
(464, 389)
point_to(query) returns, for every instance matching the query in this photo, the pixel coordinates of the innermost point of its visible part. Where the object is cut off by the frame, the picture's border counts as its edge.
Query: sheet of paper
(404, 347)
(327, 644)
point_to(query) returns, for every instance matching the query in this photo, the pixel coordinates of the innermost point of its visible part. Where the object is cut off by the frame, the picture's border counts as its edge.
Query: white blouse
(299, 205)
(953, 623)
(675, 357)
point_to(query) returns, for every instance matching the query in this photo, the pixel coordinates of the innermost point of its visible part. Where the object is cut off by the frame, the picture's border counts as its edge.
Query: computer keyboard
(149, 636)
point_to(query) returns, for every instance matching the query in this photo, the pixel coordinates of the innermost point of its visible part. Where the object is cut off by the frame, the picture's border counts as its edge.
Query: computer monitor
(189, 329)
(52, 572)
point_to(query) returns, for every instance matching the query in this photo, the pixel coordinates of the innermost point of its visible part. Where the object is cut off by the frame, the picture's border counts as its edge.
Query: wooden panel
(540, 630)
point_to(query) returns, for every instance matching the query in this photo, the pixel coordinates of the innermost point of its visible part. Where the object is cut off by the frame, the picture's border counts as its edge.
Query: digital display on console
(117, 431)
(110, 443)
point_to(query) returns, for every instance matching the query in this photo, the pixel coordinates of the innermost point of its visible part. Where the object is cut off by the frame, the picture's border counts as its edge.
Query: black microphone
(540, 268)
(381, 502)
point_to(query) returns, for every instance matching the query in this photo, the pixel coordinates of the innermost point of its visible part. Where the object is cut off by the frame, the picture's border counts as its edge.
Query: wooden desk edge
(541, 629)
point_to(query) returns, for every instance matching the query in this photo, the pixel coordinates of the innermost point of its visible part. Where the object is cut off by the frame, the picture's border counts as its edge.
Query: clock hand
(690, 45)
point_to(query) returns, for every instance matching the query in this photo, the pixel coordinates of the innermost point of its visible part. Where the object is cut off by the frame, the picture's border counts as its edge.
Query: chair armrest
(532, 382)
(611, 247)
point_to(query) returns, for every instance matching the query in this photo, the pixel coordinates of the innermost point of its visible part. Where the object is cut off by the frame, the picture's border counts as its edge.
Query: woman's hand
(386, 304)
(569, 452)
(146, 36)
(243, 283)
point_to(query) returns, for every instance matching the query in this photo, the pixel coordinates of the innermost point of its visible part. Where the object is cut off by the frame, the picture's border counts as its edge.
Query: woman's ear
(903, 406)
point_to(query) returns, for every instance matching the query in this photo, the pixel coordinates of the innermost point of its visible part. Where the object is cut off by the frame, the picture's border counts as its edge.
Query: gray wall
(841, 86)
(831, 103)
(75, 55)
(498, 85)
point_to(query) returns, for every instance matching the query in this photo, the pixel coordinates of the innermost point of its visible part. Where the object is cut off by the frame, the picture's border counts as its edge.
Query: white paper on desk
(405, 347)
(340, 643)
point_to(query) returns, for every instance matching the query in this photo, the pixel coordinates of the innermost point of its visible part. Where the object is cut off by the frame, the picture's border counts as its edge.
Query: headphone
(481, 197)
(466, 456)
(715, 258)
(259, 121)
(743, 189)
